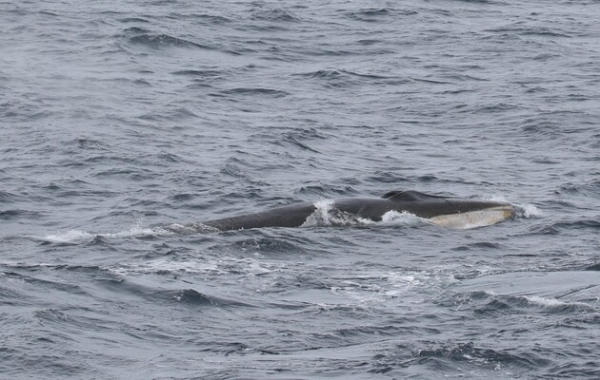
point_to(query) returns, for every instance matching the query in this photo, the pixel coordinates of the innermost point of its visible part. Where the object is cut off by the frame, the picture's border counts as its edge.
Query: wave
(254, 91)
(378, 14)
(275, 15)
(483, 356)
(17, 214)
(155, 41)
(515, 292)
(498, 305)
(346, 78)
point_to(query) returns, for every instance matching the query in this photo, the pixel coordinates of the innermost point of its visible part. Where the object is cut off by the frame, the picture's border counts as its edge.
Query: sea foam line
(77, 236)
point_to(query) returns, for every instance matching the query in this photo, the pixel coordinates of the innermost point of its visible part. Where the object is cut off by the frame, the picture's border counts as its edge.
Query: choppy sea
(122, 120)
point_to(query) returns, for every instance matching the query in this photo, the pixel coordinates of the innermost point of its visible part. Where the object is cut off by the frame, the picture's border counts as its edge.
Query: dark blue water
(122, 123)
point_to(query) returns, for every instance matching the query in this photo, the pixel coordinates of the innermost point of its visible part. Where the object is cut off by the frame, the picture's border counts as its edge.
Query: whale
(439, 210)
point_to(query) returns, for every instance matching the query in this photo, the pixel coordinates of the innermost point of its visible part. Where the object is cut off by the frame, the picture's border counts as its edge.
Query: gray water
(124, 122)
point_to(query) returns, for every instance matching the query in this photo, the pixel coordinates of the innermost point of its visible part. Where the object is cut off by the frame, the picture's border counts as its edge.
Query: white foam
(404, 218)
(194, 267)
(374, 286)
(528, 211)
(497, 198)
(79, 236)
(199, 266)
(543, 301)
(138, 231)
(190, 228)
(69, 236)
(326, 214)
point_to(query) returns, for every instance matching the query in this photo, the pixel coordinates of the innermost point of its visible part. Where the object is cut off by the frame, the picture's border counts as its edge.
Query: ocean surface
(124, 124)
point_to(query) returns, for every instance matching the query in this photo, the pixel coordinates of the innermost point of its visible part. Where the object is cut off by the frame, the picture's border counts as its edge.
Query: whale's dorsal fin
(408, 196)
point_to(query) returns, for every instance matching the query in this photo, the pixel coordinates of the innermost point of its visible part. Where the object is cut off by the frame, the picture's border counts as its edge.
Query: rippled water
(120, 121)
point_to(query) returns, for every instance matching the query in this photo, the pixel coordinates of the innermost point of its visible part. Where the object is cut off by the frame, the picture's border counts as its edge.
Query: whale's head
(451, 212)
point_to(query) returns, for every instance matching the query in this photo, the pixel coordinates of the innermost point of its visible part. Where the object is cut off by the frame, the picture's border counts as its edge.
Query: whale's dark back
(409, 196)
(287, 216)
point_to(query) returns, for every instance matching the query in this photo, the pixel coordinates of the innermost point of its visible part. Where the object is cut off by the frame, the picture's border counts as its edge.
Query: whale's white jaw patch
(474, 219)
